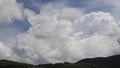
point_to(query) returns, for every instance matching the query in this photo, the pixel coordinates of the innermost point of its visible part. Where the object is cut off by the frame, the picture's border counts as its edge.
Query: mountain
(100, 62)
(108, 62)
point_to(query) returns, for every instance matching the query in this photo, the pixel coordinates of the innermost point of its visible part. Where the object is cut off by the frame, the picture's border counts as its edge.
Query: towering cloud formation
(67, 34)
(58, 34)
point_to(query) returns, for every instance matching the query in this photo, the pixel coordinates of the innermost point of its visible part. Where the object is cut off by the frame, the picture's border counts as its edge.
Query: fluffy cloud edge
(68, 34)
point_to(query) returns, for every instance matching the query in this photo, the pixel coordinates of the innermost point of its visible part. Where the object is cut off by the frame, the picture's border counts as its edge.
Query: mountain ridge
(98, 62)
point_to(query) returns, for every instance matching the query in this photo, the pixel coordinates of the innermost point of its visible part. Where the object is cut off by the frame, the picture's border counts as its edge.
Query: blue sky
(56, 31)
(89, 6)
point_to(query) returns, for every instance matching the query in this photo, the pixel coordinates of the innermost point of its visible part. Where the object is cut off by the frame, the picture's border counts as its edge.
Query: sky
(57, 31)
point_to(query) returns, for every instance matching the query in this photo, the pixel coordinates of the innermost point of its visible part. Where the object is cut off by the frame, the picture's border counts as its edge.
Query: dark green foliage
(11, 64)
(109, 62)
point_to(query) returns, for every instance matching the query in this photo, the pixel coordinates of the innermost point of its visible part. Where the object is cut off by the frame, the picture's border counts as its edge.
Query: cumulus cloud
(9, 10)
(58, 33)
(116, 7)
(67, 34)
(4, 51)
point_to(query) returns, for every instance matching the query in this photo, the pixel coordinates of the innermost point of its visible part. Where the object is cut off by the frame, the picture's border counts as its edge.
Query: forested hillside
(108, 62)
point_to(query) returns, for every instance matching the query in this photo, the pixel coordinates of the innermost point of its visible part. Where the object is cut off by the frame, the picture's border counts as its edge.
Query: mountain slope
(108, 62)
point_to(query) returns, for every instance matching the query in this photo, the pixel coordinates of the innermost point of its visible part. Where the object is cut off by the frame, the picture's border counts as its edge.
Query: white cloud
(9, 10)
(67, 34)
(4, 51)
(115, 7)
(59, 34)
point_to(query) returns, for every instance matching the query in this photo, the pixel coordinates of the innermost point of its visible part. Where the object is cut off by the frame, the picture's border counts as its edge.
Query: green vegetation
(12, 64)
(109, 62)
